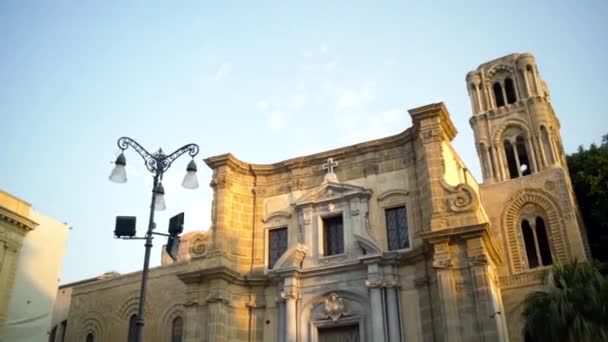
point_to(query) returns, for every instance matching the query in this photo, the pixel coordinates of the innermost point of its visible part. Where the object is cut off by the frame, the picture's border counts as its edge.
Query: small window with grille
(396, 228)
(277, 245)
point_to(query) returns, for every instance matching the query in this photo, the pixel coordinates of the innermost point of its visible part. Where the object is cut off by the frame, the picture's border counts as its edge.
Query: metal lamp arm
(166, 162)
(124, 143)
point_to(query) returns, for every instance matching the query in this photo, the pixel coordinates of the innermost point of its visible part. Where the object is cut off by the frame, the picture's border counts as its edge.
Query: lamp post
(157, 163)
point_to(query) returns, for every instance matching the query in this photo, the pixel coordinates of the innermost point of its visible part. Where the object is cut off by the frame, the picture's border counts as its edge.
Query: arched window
(510, 90)
(90, 337)
(132, 328)
(536, 243)
(522, 154)
(177, 329)
(500, 100)
(511, 161)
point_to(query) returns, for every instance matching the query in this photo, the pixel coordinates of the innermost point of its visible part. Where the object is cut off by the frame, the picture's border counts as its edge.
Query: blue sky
(266, 81)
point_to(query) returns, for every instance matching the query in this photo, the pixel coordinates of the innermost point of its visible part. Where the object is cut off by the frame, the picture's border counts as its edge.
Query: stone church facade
(387, 240)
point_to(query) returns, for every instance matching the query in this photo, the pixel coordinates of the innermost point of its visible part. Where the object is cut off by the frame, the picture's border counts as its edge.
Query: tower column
(516, 86)
(492, 101)
(488, 156)
(532, 155)
(554, 150)
(517, 162)
(536, 80)
(504, 93)
(542, 151)
(501, 154)
(496, 169)
(479, 103)
(472, 98)
(526, 83)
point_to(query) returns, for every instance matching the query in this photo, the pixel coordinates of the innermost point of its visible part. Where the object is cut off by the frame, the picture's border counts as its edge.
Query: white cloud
(276, 119)
(262, 105)
(223, 71)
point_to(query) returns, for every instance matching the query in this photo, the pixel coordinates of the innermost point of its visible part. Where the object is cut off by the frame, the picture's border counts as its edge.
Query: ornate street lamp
(157, 163)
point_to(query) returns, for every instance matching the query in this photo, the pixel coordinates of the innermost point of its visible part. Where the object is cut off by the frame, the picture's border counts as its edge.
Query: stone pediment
(331, 191)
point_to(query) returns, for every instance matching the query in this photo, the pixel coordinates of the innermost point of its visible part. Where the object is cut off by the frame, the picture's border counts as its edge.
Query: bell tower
(516, 129)
(526, 189)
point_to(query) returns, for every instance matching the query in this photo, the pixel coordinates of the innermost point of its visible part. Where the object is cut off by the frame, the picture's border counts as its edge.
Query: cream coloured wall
(37, 278)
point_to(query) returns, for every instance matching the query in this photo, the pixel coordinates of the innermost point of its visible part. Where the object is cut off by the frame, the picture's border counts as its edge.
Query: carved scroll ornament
(460, 198)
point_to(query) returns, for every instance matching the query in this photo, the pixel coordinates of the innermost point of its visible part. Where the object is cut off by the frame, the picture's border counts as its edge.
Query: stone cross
(329, 166)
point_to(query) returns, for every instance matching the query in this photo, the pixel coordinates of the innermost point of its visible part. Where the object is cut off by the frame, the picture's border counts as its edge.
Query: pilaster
(432, 126)
(290, 294)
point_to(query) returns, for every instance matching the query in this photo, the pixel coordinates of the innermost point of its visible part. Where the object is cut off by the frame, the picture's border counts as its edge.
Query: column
(393, 319)
(556, 154)
(374, 284)
(500, 153)
(256, 320)
(193, 322)
(542, 150)
(526, 83)
(479, 103)
(496, 169)
(515, 152)
(375, 298)
(217, 315)
(531, 154)
(504, 93)
(450, 309)
(537, 80)
(290, 294)
(492, 101)
(489, 162)
(488, 319)
(472, 97)
(516, 86)
(482, 160)
(281, 320)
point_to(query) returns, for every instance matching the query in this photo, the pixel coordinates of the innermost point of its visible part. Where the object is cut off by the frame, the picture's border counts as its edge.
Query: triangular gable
(330, 191)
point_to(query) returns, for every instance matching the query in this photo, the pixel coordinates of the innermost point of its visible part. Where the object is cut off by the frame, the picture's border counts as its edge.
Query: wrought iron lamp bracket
(158, 162)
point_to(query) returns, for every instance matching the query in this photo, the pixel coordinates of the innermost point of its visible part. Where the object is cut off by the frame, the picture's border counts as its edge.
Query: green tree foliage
(589, 173)
(572, 307)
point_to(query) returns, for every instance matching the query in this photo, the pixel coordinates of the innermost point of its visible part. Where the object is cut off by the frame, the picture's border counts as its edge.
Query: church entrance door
(348, 333)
